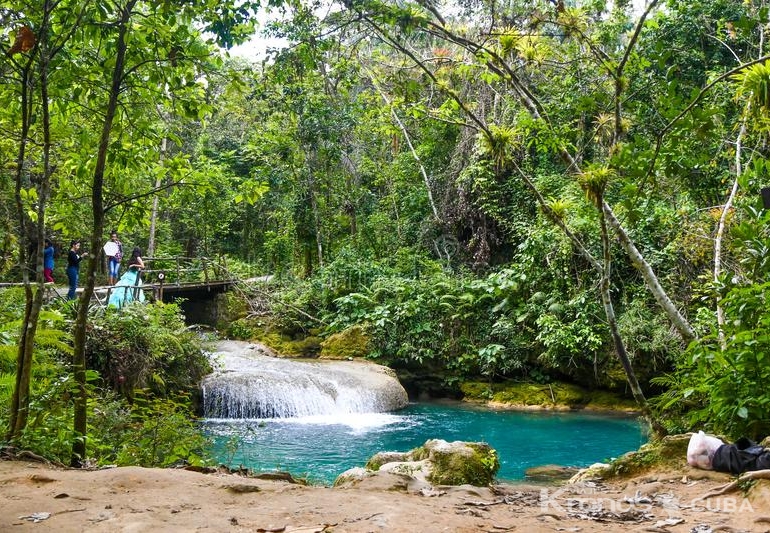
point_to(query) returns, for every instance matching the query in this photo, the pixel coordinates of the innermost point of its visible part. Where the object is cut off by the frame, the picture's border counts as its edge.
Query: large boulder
(350, 343)
(437, 462)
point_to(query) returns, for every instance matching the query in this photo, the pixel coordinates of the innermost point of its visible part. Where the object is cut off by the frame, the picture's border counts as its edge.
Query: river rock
(550, 472)
(381, 458)
(437, 462)
(595, 472)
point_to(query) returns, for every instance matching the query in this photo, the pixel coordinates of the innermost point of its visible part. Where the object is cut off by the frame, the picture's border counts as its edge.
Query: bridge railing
(178, 270)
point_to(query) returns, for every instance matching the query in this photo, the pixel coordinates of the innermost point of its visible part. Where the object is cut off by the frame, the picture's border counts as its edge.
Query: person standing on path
(73, 267)
(114, 252)
(48, 262)
(128, 289)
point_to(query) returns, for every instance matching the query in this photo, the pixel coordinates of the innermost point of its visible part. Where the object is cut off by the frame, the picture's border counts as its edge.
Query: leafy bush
(723, 387)
(148, 432)
(721, 382)
(146, 346)
(161, 432)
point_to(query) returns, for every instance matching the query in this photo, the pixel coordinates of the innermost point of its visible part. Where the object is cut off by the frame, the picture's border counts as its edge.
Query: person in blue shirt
(73, 267)
(48, 262)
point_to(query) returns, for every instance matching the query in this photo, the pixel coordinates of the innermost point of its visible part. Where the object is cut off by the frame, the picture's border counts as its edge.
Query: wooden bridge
(166, 279)
(169, 278)
(194, 282)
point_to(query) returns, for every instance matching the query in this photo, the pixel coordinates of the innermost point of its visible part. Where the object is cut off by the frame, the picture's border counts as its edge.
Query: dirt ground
(36, 497)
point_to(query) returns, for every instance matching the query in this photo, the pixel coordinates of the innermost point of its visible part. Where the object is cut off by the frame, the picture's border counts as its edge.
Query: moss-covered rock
(230, 307)
(461, 463)
(381, 458)
(670, 451)
(438, 462)
(564, 396)
(349, 343)
(282, 342)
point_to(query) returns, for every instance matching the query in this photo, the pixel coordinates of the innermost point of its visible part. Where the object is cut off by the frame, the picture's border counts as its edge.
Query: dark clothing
(72, 275)
(73, 259)
(743, 456)
(73, 272)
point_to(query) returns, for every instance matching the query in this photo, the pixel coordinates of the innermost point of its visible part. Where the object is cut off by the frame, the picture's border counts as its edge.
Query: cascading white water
(253, 385)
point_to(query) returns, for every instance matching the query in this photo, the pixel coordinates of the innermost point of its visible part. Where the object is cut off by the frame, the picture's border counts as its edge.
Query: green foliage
(754, 85)
(145, 346)
(162, 432)
(720, 385)
(571, 337)
(149, 432)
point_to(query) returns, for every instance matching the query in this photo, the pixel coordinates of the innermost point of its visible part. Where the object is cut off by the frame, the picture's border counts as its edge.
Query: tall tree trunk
(97, 205)
(20, 397)
(311, 190)
(316, 223)
(34, 306)
(415, 155)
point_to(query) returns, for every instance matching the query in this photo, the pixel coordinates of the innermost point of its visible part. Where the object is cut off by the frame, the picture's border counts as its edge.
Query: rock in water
(437, 462)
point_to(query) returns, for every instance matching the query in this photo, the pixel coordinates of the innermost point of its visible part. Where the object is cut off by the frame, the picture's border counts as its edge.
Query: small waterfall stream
(252, 385)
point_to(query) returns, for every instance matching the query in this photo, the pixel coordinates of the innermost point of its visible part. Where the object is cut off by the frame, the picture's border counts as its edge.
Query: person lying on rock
(710, 453)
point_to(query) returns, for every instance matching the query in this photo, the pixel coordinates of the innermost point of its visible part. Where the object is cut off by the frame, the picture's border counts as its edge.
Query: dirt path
(137, 500)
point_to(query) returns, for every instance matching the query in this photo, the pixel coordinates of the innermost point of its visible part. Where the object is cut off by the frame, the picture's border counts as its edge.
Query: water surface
(322, 447)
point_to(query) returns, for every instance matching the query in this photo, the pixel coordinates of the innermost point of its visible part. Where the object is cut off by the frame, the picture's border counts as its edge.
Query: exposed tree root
(730, 487)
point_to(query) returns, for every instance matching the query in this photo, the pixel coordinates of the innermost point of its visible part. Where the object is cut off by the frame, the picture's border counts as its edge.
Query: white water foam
(254, 386)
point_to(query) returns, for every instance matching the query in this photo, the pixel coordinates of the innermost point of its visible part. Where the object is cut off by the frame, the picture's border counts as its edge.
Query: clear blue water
(320, 448)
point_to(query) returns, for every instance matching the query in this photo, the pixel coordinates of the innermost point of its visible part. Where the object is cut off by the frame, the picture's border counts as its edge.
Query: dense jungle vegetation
(537, 191)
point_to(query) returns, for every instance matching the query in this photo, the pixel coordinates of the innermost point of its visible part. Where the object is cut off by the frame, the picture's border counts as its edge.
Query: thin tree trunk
(351, 184)
(97, 205)
(34, 299)
(415, 155)
(620, 349)
(316, 222)
(311, 189)
(721, 230)
(34, 307)
(643, 267)
(155, 201)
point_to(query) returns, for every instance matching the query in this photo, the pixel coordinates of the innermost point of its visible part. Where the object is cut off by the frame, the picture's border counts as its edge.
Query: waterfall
(250, 384)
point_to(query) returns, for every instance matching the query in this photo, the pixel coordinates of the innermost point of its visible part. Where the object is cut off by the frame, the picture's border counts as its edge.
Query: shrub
(721, 384)
(146, 346)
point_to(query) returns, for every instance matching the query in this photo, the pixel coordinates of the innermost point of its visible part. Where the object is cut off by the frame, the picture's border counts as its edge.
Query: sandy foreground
(35, 497)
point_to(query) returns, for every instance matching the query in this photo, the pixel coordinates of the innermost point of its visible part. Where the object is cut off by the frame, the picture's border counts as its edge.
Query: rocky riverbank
(37, 498)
